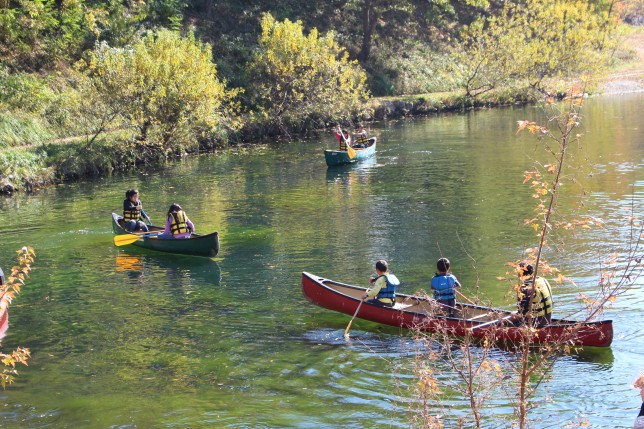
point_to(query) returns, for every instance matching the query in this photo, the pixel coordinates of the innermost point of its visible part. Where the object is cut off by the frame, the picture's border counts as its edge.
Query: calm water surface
(127, 338)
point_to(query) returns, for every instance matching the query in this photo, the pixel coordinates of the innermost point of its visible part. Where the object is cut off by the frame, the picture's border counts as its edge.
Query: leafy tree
(536, 40)
(8, 291)
(300, 78)
(164, 87)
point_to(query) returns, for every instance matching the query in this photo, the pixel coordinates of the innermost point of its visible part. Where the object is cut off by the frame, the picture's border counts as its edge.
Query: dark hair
(526, 269)
(130, 192)
(381, 265)
(442, 265)
(174, 208)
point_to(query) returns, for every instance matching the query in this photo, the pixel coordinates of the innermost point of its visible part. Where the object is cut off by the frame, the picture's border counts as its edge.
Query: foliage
(38, 32)
(535, 40)
(164, 87)
(79, 159)
(25, 92)
(19, 130)
(8, 291)
(300, 78)
(413, 68)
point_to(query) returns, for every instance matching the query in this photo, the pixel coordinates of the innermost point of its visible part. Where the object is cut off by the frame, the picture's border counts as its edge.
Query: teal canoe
(341, 157)
(197, 244)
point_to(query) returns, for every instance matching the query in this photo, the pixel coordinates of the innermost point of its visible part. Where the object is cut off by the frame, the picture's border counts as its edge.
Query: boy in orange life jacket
(383, 289)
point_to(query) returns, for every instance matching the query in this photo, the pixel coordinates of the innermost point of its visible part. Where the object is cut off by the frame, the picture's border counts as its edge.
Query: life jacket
(343, 143)
(443, 285)
(541, 298)
(133, 213)
(179, 224)
(390, 290)
(362, 139)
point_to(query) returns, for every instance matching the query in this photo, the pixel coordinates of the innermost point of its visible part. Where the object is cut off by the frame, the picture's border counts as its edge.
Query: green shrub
(299, 79)
(413, 69)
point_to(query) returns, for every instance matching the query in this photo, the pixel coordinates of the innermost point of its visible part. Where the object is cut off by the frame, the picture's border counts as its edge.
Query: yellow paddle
(125, 239)
(350, 151)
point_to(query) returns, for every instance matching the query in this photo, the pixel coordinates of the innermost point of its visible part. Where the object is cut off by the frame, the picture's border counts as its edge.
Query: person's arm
(377, 285)
(145, 216)
(190, 225)
(456, 282)
(168, 223)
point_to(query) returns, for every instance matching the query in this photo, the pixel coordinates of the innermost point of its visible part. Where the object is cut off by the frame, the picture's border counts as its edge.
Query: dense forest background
(88, 86)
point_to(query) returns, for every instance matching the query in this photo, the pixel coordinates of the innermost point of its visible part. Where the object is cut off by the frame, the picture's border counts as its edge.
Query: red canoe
(426, 315)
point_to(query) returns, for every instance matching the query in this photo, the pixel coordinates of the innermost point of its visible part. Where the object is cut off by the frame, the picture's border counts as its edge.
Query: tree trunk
(369, 20)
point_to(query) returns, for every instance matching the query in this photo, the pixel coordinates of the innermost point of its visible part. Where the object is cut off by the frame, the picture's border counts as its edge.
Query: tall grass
(16, 130)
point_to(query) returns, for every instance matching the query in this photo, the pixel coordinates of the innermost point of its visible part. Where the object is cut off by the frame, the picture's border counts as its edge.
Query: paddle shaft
(483, 325)
(465, 298)
(346, 331)
(125, 239)
(350, 151)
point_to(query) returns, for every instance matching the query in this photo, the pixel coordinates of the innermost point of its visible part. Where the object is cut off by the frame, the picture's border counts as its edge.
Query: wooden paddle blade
(122, 240)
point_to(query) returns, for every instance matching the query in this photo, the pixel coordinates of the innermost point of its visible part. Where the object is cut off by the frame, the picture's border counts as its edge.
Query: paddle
(122, 240)
(350, 151)
(483, 325)
(346, 331)
(465, 298)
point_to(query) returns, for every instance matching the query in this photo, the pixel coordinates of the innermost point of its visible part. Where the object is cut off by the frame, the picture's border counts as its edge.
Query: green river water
(128, 338)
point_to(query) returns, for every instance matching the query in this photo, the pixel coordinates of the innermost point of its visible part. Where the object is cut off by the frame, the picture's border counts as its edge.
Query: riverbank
(44, 162)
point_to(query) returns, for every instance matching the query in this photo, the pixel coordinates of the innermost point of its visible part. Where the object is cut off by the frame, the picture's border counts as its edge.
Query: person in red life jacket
(343, 141)
(177, 224)
(133, 213)
(444, 285)
(383, 287)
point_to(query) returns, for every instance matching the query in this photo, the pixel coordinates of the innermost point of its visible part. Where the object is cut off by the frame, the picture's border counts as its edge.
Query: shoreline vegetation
(156, 96)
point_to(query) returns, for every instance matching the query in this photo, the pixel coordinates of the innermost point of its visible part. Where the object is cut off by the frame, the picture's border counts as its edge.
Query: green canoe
(197, 244)
(341, 157)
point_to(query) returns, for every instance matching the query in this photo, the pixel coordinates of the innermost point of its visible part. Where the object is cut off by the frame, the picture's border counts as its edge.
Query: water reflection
(137, 263)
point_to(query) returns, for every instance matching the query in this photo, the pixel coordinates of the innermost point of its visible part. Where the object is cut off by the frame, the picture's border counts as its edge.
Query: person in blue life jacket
(383, 287)
(133, 213)
(444, 285)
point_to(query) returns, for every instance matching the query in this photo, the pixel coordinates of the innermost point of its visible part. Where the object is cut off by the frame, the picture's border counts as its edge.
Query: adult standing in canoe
(535, 298)
(177, 224)
(383, 291)
(133, 213)
(444, 285)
